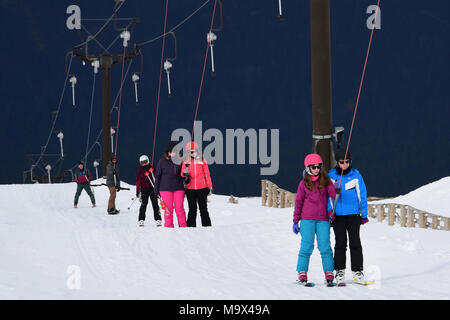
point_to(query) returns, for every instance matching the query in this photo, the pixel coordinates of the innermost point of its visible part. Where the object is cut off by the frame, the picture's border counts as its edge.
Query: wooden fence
(406, 216)
(275, 197)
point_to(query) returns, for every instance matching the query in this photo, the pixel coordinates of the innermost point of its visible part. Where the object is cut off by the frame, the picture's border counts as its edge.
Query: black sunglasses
(319, 166)
(344, 161)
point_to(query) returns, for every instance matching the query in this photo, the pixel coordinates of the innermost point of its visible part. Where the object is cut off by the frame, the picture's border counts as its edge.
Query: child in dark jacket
(311, 209)
(144, 189)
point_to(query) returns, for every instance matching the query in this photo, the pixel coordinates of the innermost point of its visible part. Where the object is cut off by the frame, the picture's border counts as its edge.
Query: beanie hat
(170, 146)
(340, 154)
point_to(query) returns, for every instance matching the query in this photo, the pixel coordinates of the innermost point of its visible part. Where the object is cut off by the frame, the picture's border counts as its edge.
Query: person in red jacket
(145, 182)
(198, 183)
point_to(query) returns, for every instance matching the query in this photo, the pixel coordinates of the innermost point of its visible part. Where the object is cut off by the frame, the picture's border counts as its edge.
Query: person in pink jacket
(311, 210)
(198, 185)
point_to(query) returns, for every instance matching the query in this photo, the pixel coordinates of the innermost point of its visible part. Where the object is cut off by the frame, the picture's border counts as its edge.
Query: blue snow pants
(308, 230)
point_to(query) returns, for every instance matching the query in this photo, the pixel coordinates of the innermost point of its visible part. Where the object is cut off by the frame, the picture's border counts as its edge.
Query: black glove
(118, 188)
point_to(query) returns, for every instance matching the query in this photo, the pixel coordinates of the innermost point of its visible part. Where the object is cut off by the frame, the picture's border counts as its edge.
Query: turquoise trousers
(308, 230)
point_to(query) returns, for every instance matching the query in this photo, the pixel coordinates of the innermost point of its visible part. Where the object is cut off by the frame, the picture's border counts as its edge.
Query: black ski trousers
(146, 193)
(199, 197)
(343, 225)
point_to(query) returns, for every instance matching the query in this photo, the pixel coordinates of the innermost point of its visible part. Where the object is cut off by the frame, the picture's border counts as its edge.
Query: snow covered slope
(433, 198)
(249, 253)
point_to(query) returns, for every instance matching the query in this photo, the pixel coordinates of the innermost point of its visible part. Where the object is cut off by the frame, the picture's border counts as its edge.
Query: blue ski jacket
(353, 197)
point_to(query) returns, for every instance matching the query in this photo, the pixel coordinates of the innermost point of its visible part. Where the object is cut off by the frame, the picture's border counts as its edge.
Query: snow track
(249, 253)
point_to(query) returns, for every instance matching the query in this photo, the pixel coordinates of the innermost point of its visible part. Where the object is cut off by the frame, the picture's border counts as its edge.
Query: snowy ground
(432, 198)
(249, 253)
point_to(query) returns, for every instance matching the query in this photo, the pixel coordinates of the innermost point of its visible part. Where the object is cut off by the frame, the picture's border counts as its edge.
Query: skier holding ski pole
(145, 189)
(348, 213)
(311, 209)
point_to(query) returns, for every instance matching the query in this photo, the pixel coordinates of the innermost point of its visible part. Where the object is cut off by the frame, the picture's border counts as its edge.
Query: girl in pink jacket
(311, 209)
(198, 183)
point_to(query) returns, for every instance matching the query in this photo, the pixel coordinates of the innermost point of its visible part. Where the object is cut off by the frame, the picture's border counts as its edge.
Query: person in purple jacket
(169, 184)
(311, 209)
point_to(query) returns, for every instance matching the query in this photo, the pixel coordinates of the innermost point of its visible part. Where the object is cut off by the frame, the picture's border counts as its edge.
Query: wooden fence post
(422, 219)
(380, 212)
(274, 196)
(411, 218)
(269, 194)
(403, 216)
(435, 222)
(282, 198)
(263, 192)
(446, 224)
(292, 199)
(371, 211)
(391, 214)
(287, 203)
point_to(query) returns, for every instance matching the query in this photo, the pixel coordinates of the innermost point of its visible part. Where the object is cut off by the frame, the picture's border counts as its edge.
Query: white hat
(143, 158)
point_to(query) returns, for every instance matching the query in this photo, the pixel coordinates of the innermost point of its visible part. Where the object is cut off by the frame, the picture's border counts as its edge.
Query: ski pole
(335, 200)
(89, 182)
(134, 199)
(104, 184)
(163, 205)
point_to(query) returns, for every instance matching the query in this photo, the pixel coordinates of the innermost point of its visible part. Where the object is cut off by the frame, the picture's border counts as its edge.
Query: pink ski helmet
(312, 158)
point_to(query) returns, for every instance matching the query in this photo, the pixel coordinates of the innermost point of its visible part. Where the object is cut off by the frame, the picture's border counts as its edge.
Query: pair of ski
(365, 283)
(334, 284)
(312, 284)
(158, 223)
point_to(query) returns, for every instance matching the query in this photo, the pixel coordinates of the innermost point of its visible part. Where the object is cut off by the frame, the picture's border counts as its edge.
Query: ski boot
(75, 206)
(303, 279)
(340, 278)
(358, 277)
(329, 277)
(141, 223)
(113, 211)
(93, 205)
(158, 223)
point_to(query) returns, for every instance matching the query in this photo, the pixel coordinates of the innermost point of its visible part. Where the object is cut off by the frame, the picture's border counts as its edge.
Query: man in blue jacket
(350, 213)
